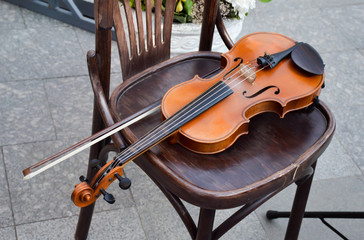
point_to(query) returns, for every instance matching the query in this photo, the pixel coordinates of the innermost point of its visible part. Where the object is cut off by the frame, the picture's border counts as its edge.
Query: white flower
(242, 6)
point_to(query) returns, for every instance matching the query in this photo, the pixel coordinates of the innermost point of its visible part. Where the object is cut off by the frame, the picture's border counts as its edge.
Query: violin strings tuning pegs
(108, 197)
(83, 179)
(124, 183)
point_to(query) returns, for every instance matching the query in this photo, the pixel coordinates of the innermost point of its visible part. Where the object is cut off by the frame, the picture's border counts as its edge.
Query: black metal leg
(297, 213)
(320, 215)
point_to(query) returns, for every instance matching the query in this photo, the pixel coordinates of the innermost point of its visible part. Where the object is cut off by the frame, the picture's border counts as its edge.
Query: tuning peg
(83, 178)
(108, 197)
(124, 183)
(95, 164)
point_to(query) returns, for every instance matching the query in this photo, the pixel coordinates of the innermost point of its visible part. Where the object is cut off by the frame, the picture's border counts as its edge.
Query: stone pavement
(46, 105)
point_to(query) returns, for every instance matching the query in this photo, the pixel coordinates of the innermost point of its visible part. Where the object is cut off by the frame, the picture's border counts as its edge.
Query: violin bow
(87, 142)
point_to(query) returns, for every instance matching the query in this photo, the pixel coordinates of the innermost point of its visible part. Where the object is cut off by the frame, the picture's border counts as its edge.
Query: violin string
(127, 155)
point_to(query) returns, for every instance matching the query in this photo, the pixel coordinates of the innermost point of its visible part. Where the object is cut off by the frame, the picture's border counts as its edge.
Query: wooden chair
(276, 152)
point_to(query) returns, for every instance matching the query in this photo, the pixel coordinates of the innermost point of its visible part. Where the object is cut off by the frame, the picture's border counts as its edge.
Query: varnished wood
(219, 127)
(223, 32)
(267, 160)
(102, 19)
(83, 195)
(205, 224)
(266, 164)
(298, 208)
(105, 176)
(157, 42)
(139, 17)
(208, 24)
(103, 25)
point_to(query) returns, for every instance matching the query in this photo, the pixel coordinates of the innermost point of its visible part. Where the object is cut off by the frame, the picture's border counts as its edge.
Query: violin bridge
(248, 73)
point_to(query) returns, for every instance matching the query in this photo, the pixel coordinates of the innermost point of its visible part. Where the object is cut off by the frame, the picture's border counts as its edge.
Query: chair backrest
(149, 34)
(142, 41)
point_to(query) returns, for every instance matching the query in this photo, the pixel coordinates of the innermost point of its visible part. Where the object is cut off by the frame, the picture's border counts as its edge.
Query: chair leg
(298, 208)
(84, 222)
(85, 217)
(205, 224)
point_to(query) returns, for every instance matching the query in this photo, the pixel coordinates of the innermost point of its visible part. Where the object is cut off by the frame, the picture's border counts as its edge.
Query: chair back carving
(148, 41)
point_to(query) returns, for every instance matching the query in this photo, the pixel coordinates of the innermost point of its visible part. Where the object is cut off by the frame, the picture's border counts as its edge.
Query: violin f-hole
(263, 90)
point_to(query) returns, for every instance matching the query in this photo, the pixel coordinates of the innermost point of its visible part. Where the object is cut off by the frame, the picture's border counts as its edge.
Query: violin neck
(206, 100)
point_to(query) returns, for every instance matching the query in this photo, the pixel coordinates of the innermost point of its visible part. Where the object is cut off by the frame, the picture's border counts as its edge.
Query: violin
(263, 72)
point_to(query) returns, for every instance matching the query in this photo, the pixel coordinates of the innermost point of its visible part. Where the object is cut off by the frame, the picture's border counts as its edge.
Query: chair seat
(272, 156)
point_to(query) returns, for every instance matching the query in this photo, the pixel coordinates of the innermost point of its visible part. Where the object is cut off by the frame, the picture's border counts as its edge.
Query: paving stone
(343, 87)
(335, 3)
(158, 217)
(281, 6)
(349, 19)
(161, 221)
(7, 233)
(36, 20)
(249, 228)
(40, 53)
(115, 80)
(304, 25)
(11, 17)
(47, 195)
(123, 224)
(87, 42)
(71, 106)
(340, 194)
(349, 125)
(63, 228)
(336, 162)
(6, 218)
(24, 111)
(361, 51)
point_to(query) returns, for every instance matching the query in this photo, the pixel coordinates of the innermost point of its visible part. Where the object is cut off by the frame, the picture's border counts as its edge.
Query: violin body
(282, 89)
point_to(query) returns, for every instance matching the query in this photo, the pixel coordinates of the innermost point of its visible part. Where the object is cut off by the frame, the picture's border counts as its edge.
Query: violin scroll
(85, 194)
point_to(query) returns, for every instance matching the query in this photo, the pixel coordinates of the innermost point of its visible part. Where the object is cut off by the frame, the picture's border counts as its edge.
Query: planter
(186, 36)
